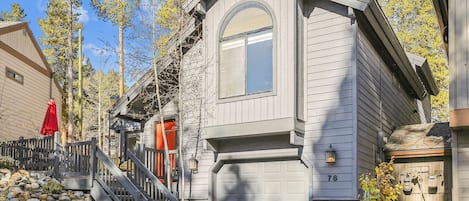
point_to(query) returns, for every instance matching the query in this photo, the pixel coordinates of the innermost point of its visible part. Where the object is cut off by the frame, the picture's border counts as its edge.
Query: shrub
(379, 186)
(53, 187)
(7, 162)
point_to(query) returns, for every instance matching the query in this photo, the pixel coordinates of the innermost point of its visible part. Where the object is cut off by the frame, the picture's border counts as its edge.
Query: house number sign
(332, 178)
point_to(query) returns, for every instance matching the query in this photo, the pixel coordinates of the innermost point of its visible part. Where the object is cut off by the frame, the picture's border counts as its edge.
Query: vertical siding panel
(280, 104)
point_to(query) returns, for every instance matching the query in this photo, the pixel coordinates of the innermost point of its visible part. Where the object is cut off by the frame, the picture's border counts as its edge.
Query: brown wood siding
(377, 83)
(22, 107)
(21, 42)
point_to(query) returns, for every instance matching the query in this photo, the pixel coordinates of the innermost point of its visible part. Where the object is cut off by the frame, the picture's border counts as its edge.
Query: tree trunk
(70, 75)
(121, 61)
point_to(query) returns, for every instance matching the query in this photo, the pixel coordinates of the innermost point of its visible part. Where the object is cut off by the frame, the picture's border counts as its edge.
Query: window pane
(247, 20)
(259, 62)
(232, 70)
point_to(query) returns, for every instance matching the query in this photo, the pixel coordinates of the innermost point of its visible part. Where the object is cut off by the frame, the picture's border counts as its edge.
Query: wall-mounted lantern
(330, 155)
(193, 165)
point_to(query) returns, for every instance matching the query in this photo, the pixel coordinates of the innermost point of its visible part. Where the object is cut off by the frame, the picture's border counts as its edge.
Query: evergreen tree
(416, 26)
(120, 13)
(60, 27)
(16, 14)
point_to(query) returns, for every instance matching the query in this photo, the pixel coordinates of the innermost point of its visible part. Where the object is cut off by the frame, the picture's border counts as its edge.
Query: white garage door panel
(269, 181)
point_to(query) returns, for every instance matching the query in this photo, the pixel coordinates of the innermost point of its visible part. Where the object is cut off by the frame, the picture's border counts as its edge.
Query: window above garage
(246, 49)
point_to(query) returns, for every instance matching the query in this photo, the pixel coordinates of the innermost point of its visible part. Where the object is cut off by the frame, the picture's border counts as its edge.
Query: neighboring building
(26, 83)
(272, 85)
(422, 154)
(452, 16)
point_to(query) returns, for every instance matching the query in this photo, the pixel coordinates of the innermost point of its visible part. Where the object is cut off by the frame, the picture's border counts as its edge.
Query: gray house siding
(378, 86)
(460, 157)
(329, 100)
(276, 106)
(193, 77)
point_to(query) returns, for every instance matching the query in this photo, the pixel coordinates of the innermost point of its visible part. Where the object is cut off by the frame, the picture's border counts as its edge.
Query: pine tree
(16, 13)
(56, 27)
(416, 26)
(120, 13)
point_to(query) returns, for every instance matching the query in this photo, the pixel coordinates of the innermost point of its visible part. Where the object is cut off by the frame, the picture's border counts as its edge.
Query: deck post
(21, 151)
(56, 155)
(93, 161)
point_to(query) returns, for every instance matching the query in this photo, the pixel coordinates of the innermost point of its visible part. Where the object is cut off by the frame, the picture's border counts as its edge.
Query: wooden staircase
(84, 166)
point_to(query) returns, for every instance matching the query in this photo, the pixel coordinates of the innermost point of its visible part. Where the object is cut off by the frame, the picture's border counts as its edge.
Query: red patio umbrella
(50, 125)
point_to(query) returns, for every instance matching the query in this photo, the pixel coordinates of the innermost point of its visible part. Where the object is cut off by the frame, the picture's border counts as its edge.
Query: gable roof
(44, 68)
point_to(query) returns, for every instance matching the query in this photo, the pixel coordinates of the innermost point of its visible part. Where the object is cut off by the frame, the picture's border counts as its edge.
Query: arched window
(246, 62)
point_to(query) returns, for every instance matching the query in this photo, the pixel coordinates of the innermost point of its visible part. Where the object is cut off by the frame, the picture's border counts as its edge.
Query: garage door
(262, 181)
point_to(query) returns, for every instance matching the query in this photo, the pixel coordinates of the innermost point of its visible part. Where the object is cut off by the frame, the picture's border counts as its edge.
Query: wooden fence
(31, 154)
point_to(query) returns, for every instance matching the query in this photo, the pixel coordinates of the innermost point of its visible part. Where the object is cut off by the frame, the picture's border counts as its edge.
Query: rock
(36, 195)
(79, 193)
(3, 185)
(33, 199)
(14, 178)
(55, 196)
(50, 198)
(24, 196)
(35, 186)
(5, 171)
(16, 191)
(44, 197)
(64, 198)
(27, 187)
(24, 172)
(14, 199)
(10, 195)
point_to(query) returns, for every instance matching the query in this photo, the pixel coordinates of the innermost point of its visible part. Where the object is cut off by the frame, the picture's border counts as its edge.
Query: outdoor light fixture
(330, 155)
(193, 165)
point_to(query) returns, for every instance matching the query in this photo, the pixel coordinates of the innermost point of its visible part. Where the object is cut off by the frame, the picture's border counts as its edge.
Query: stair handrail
(154, 180)
(120, 176)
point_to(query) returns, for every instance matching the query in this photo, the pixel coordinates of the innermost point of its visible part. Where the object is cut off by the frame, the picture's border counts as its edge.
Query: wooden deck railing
(31, 154)
(143, 180)
(76, 158)
(116, 184)
(146, 180)
(154, 161)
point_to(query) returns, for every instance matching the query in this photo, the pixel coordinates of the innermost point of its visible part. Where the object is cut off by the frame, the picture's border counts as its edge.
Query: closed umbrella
(50, 124)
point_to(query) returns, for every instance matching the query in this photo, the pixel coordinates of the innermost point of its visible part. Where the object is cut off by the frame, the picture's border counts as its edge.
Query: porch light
(193, 165)
(330, 155)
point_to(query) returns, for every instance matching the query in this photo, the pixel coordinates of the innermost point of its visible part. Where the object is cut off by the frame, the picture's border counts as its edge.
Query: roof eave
(441, 10)
(374, 17)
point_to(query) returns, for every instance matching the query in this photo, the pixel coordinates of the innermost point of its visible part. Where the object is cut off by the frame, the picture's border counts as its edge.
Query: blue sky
(95, 31)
